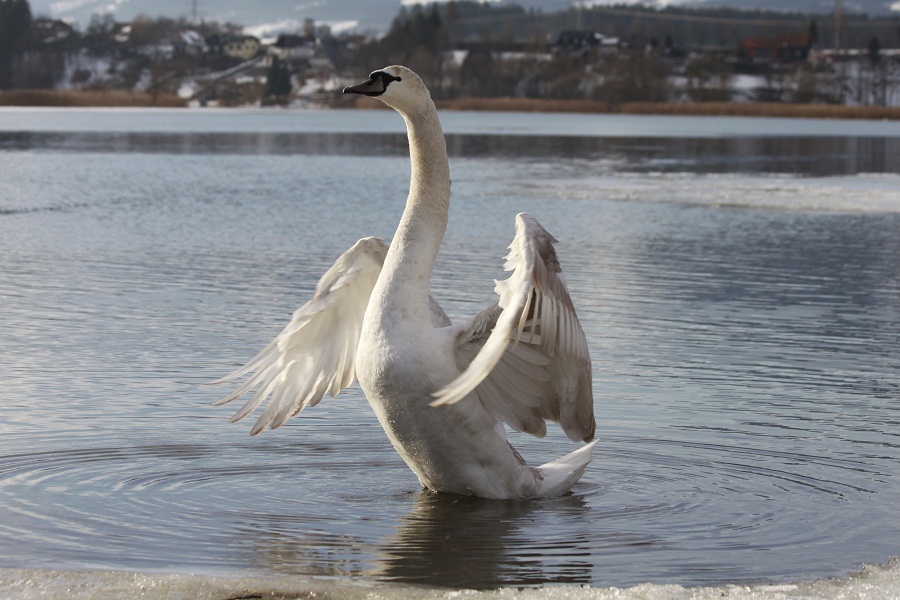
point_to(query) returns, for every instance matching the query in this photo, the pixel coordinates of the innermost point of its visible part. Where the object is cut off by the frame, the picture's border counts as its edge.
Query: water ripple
(745, 363)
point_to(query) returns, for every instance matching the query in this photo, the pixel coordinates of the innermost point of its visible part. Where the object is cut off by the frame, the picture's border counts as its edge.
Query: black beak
(373, 87)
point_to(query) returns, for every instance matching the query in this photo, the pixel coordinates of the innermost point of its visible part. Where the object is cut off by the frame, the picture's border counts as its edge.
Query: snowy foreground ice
(870, 583)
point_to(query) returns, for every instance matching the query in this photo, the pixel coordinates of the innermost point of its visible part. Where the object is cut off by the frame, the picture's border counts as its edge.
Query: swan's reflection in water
(443, 540)
(457, 541)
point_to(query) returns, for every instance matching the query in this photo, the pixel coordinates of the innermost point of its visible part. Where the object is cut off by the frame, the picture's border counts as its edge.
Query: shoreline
(111, 99)
(868, 580)
(706, 109)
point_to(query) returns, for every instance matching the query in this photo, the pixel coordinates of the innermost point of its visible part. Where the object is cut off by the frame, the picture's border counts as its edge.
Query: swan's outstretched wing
(315, 353)
(526, 358)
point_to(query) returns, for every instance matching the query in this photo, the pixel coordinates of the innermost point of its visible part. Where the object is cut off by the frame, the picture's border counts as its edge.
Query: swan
(442, 392)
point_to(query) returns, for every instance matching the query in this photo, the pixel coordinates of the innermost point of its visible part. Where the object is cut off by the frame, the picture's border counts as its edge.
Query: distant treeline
(465, 49)
(686, 27)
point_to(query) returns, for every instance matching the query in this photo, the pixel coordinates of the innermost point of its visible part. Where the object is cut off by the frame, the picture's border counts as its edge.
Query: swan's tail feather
(561, 474)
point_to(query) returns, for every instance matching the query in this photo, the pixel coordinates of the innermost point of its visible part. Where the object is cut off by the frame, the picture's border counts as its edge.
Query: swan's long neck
(430, 179)
(414, 248)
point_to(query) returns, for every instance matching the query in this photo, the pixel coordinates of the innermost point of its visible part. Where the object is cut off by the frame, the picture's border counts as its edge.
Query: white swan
(441, 392)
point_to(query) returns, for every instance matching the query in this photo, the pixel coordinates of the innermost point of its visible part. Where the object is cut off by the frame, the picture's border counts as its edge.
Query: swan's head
(398, 87)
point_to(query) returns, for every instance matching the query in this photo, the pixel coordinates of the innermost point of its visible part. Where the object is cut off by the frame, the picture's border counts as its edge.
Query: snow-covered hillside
(374, 14)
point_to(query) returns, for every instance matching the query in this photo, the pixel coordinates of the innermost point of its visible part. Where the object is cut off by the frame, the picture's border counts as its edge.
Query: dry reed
(742, 109)
(738, 109)
(77, 98)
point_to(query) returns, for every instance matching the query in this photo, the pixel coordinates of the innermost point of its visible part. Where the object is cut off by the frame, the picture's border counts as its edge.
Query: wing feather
(527, 357)
(314, 354)
(525, 390)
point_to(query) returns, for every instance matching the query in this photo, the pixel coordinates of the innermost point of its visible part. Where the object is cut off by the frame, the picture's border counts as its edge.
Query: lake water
(738, 280)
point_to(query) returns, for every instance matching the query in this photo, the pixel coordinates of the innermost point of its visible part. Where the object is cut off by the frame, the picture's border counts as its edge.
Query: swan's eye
(386, 78)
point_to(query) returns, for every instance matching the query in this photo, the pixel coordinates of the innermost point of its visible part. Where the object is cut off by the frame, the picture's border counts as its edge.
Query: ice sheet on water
(865, 192)
(871, 583)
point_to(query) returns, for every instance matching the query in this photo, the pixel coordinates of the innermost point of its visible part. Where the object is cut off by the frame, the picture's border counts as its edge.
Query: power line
(195, 12)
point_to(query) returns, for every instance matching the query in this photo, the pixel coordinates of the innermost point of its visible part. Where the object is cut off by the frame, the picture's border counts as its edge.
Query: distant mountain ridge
(270, 16)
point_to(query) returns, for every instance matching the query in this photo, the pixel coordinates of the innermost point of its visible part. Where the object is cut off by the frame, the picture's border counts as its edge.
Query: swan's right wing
(315, 353)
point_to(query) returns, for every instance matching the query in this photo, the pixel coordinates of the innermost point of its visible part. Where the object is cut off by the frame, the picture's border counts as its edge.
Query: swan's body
(441, 392)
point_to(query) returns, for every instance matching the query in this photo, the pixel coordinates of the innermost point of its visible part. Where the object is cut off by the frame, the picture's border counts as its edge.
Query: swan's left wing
(315, 353)
(526, 358)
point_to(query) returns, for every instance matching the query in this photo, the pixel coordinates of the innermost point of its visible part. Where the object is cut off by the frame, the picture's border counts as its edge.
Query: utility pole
(840, 67)
(838, 15)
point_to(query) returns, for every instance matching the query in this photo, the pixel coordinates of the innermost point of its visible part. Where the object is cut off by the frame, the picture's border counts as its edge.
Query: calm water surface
(738, 279)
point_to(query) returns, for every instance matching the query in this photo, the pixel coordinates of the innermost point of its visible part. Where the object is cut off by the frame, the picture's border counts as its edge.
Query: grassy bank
(87, 98)
(735, 109)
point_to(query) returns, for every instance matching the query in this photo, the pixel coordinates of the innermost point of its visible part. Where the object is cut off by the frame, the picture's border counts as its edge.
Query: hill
(376, 15)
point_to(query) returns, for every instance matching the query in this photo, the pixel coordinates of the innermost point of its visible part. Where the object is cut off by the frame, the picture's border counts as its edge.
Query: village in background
(610, 54)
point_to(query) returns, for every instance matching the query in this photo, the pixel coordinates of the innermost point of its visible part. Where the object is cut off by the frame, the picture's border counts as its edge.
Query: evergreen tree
(278, 82)
(874, 50)
(15, 20)
(813, 33)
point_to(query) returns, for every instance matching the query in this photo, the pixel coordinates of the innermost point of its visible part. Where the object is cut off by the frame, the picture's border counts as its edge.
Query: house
(121, 33)
(192, 43)
(291, 47)
(583, 41)
(783, 48)
(45, 32)
(242, 47)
